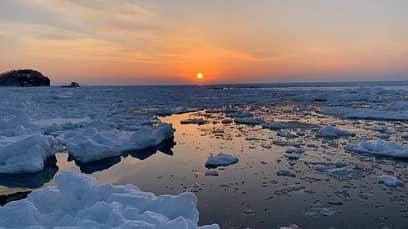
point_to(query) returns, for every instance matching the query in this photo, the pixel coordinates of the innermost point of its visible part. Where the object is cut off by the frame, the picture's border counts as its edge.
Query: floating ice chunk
(285, 173)
(294, 150)
(14, 122)
(338, 169)
(381, 129)
(239, 114)
(60, 121)
(78, 202)
(368, 113)
(25, 153)
(198, 121)
(288, 125)
(276, 125)
(212, 173)
(318, 212)
(220, 159)
(249, 120)
(92, 144)
(292, 226)
(289, 189)
(226, 121)
(333, 132)
(390, 181)
(294, 153)
(404, 135)
(381, 148)
(286, 134)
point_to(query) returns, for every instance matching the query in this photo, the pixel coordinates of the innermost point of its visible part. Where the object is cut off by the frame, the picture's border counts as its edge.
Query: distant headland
(24, 78)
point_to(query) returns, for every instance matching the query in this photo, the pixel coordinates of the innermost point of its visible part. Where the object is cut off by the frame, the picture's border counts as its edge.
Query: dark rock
(73, 84)
(23, 78)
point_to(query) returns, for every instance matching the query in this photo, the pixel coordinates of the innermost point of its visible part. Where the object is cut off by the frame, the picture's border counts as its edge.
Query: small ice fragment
(285, 173)
(197, 121)
(294, 150)
(294, 153)
(220, 159)
(333, 132)
(318, 212)
(380, 148)
(286, 134)
(212, 173)
(275, 125)
(292, 226)
(404, 135)
(249, 121)
(390, 181)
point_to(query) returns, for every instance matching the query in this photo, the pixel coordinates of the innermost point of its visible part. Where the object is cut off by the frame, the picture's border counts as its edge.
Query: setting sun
(200, 76)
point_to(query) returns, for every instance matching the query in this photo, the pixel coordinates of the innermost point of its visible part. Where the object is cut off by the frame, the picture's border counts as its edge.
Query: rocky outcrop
(73, 84)
(24, 78)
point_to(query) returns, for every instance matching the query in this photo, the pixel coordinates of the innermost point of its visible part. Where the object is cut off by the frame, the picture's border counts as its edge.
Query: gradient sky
(230, 41)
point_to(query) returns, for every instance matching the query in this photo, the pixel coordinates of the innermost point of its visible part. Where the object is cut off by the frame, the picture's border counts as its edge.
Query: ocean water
(328, 186)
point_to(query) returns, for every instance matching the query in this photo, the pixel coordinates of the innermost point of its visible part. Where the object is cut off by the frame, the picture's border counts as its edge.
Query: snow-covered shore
(79, 202)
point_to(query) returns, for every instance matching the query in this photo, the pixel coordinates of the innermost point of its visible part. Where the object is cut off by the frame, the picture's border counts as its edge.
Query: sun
(200, 76)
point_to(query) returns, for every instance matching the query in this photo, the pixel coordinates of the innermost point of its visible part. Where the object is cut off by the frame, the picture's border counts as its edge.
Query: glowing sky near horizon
(231, 41)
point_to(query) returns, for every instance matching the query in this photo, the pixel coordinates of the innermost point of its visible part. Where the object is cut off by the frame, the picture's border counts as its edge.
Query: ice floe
(60, 121)
(197, 121)
(25, 153)
(249, 120)
(390, 181)
(333, 132)
(338, 169)
(90, 144)
(318, 212)
(220, 159)
(276, 125)
(368, 113)
(292, 226)
(212, 173)
(294, 153)
(78, 202)
(380, 148)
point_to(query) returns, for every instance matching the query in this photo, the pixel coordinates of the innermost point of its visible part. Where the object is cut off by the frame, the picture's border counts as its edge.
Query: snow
(79, 202)
(380, 148)
(333, 132)
(25, 153)
(390, 181)
(221, 159)
(91, 144)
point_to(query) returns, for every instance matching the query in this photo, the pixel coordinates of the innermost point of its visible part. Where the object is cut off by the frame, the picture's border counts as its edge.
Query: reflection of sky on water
(250, 194)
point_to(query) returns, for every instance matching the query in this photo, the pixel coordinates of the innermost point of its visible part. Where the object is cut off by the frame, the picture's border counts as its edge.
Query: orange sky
(161, 42)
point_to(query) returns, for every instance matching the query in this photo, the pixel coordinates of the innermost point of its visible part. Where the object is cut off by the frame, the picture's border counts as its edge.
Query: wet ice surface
(286, 174)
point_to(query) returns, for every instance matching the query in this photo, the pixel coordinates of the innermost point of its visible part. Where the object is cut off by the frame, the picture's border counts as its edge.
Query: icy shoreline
(78, 202)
